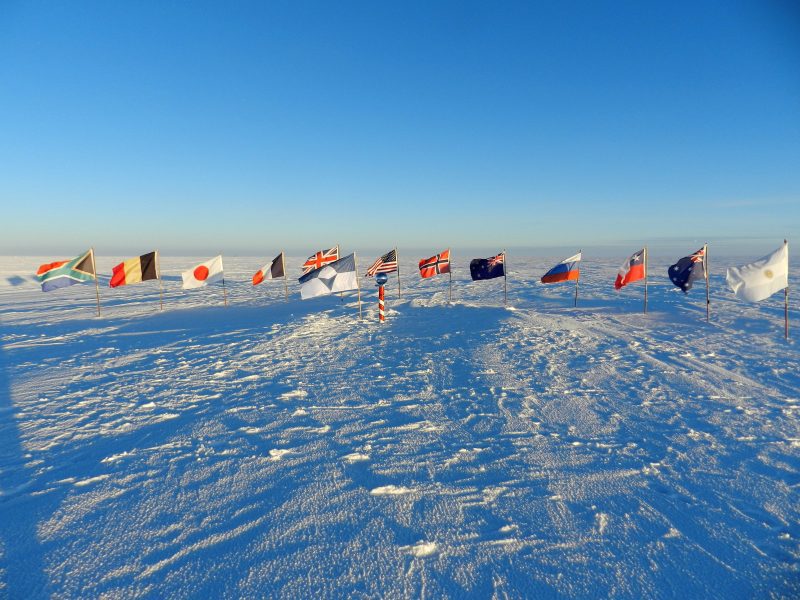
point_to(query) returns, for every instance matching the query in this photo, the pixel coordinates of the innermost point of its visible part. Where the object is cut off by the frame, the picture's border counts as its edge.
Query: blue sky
(246, 127)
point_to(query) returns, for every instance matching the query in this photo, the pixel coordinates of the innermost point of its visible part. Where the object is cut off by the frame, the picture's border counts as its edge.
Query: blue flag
(488, 268)
(686, 270)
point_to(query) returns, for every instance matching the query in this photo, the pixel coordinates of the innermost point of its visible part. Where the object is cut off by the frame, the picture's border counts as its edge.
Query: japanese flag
(203, 274)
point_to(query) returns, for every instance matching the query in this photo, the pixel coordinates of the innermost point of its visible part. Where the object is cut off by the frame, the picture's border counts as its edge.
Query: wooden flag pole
(96, 285)
(285, 280)
(645, 279)
(505, 279)
(397, 256)
(160, 281)
(786, 296)
(576, 281)
(358, 285)
(705, 270)
(341, 294)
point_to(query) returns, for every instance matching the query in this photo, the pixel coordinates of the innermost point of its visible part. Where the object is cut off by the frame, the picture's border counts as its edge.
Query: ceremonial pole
(705, 270)
(96, 285)
(397, 256)
(505, 279)
(160, 281)
(358, 285)
(285, 280)
(579, 276)
(645, 279)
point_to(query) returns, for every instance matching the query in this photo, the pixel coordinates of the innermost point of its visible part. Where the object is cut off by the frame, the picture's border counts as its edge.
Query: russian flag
(566, 270)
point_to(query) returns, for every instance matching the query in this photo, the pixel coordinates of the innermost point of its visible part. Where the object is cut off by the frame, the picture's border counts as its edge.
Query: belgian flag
(138, 269)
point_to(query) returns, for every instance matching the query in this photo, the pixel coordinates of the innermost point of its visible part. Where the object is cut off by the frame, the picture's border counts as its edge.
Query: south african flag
(64, 273)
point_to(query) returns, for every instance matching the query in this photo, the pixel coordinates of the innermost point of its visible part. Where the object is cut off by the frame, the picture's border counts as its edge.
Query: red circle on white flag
(201, 273)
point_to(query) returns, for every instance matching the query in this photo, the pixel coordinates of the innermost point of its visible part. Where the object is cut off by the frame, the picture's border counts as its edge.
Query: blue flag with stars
(488, 268)
(686, 270)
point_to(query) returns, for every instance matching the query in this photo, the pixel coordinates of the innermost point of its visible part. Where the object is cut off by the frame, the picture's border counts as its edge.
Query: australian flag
(488, 268)
(686, 270)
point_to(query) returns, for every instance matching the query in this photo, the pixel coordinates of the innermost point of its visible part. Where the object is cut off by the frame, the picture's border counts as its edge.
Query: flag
(321, 258)
(488, 268)
(64, 273)
(566, 270)
(762, 278)
(336, 276)
(385, 264)
(686, 270)
(435, 265)
(273, 270)
(203, 274)
(142, 268)
(631, 270)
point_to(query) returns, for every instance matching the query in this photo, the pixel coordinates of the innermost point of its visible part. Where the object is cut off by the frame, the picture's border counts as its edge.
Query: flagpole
(224, 292)
(450, 273)
(96, 285)
(645, 279)
(341, 294)
(505, 279)
(358, 285)
(160, 281)
(786, 295)
(285, 280)
(705, 270)
(397, 256)
(576, 281)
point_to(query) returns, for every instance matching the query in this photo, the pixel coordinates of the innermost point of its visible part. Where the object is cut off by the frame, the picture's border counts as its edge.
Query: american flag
(385, 264)
(435, 265)
(321, 258)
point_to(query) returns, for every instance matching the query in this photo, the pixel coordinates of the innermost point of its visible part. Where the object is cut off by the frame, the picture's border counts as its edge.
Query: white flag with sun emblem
(762, 278)
(203, 274)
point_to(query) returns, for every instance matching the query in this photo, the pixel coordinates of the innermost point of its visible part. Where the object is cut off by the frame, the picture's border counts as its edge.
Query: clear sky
(247, 127)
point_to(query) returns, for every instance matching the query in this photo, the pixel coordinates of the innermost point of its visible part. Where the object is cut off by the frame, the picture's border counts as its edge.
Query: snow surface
(274, 449)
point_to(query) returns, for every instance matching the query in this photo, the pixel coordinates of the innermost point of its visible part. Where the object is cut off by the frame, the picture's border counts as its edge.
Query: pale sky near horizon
(248, 127)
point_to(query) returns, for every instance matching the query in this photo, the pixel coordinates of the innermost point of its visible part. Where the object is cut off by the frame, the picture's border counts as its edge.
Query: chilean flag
(633, 269)
(566, 270)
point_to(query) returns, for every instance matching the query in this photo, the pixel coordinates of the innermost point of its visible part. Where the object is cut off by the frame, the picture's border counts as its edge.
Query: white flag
(762, 278)
(203, 274)
(337, 276)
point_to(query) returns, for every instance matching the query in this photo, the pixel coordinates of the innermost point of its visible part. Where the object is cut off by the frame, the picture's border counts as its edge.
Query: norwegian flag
(320, 259)
(435, 265)
(385, 264)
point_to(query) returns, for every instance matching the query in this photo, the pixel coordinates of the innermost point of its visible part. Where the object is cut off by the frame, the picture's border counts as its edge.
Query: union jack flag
(497, 260)
(321, 258)
(385, 264)
(435, 265)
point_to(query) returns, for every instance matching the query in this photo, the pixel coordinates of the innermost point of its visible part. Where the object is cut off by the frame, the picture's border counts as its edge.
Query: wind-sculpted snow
(289, 450)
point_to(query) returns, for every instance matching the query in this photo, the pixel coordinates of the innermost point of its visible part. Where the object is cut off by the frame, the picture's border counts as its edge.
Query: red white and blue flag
(320, 259)
(435, 265)
(686, 270)
(385, 264)
(567, 270)
(633, 269)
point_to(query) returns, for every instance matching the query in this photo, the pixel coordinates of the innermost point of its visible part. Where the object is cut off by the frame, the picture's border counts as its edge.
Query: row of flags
(325, 272)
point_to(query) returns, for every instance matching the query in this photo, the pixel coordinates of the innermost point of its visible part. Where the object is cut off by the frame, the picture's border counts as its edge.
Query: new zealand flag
(686, 270)
(488, 268)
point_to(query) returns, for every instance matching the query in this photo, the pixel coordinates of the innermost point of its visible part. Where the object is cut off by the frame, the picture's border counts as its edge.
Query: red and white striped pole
(381, 312)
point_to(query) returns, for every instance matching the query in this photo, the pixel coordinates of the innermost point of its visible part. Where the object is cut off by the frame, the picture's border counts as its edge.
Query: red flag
(631, 270)
(435, 265)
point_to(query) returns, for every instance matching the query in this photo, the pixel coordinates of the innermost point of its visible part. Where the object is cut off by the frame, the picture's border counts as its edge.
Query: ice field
(290, 450)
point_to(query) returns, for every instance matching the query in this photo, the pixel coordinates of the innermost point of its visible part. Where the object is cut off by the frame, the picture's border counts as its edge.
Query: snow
(287, 449)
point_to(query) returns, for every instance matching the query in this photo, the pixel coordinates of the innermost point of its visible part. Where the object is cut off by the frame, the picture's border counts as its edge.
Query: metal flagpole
(705, 270)
(450, 272)
(358, 285)
(96, 285)
(505, 279)
(786, 296)
(645, 279)
(341, 294)
(285, 280)
(224, 291)
(397, 257)
(160, 281)
(579, 276)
